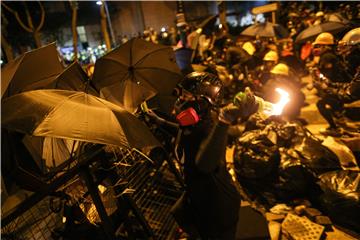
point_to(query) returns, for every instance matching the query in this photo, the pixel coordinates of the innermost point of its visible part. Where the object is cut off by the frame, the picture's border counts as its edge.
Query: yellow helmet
(324, 38)
(319, 14)
(249, 48)
(281, 69)
(351, 38)
(271, 56)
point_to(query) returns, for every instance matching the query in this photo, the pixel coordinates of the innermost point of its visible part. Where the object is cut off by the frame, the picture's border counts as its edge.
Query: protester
(332, 70)
(209, 208)
(349, 49)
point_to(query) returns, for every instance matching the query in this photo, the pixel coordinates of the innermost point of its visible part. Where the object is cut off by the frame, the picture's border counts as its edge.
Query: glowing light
(220, 26)
(284, 99)
(64, 219)
(99, 3)
(163, 29)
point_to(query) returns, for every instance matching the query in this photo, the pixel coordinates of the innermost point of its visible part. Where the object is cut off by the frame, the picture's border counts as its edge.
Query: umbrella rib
(52, 110)
(146, 55)
(124, 143)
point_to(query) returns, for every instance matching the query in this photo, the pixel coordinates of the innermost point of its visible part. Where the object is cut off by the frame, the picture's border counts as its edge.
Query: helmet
(281, 69)
(271, 56)
(249, 48)
(203, 84)
(351, 38)
(319, 14)
(324, 38)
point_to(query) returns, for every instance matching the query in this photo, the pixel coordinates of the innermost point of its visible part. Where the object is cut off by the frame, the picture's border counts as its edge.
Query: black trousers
(329, 113)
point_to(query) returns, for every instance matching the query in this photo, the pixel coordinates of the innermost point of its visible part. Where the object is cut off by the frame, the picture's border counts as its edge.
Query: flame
(284, 99)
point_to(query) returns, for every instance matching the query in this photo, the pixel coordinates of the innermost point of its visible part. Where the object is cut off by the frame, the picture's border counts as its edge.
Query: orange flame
(284, 99)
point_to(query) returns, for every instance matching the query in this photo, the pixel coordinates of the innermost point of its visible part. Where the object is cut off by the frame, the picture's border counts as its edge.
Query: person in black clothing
(331, 68)
(209, 208)
(349, 49)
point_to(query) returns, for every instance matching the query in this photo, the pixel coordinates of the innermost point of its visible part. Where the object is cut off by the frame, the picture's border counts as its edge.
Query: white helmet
(351, 38)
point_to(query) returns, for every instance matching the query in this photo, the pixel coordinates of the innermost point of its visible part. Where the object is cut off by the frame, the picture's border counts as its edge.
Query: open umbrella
(40, 66)
(266, 30)
(208, 25)
(74, 115)
(72, 78)
(183, 59)
(136, 71)
(311, 32)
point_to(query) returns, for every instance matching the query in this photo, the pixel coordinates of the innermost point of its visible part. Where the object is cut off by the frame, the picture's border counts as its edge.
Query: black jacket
(213, 199)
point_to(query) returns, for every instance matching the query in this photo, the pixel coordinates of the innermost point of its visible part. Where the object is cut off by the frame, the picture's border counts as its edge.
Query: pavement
(310, 112)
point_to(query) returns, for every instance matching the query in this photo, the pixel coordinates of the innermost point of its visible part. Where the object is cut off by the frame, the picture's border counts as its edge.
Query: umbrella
(32, 68)
(72, 78)
(49, 150)
(74, 115)
(53, 150)
(336, 17)
(266, 29)
(135, 72)
(208, 22)
(311, 32)
(208, 25)
(183, 58)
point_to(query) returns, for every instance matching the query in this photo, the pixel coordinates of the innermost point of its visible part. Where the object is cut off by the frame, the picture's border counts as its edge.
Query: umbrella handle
(144, 107)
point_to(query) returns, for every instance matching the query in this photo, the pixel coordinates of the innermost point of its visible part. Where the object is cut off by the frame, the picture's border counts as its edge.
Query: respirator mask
(190, 112)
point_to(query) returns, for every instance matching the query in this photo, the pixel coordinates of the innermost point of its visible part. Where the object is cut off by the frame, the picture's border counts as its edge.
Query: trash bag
(294, 179)
(315, 156)
(255, 155)
(341, 197)
(343, 152)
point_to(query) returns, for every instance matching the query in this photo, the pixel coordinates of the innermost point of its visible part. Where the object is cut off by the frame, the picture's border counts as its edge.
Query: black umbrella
(72, 78)
(267, 30)
(208, 25)
(40, 66)
(311, 32)
(183, 59)
(135, 72)
(76, 116)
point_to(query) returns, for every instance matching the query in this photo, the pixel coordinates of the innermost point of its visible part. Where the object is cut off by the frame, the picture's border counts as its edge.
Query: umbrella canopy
(74, 115)
(266, 29)
(183, 58)
(72, 78)
(135, 72)
(311, 32)
(208, 25)
(40, 66)
(336, 17)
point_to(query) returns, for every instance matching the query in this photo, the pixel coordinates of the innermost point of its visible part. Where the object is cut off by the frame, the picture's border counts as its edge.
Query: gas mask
(190, 112)
(317, 51)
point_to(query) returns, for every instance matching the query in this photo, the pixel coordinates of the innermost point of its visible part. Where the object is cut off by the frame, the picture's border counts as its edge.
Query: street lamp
(103, 4)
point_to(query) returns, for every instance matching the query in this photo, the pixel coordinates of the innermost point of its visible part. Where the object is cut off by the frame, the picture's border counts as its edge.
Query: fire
(284, 99)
